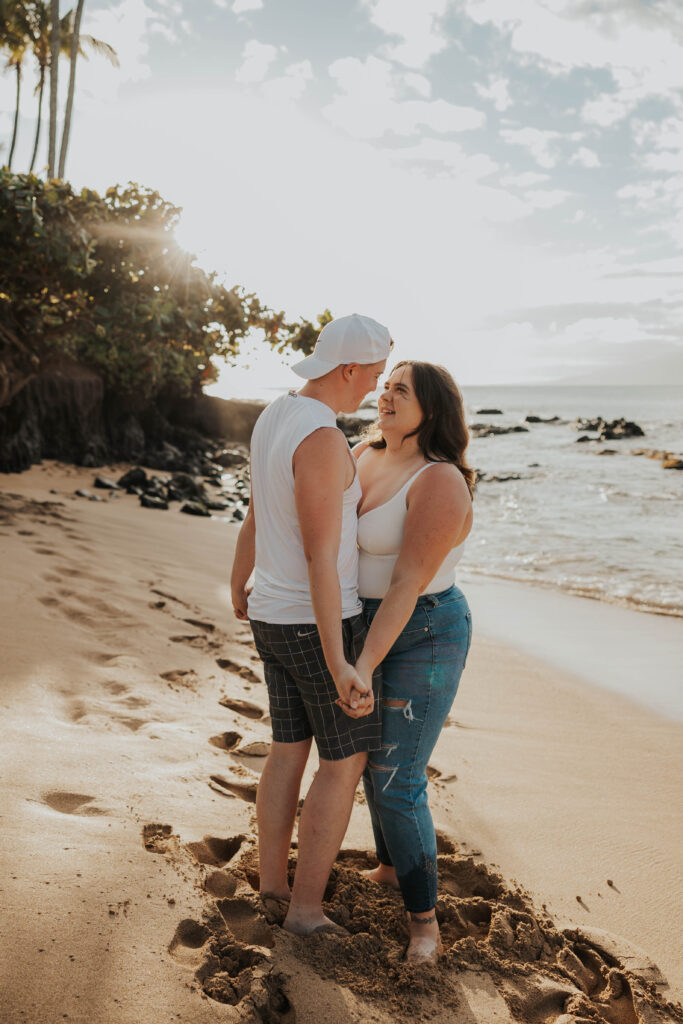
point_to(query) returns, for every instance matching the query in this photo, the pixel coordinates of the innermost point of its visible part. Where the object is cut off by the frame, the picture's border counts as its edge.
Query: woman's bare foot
(384, 874)
(306, 921)
(425, 942)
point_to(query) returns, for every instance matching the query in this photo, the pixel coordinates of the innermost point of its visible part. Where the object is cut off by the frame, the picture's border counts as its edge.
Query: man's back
(281, 591)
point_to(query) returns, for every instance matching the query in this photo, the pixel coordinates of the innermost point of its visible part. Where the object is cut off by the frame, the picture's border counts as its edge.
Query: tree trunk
(54, 73)
(73, 57)
(15, 128)
(41, 89)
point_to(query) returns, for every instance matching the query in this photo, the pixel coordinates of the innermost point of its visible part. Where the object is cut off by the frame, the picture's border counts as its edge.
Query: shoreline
(123, 674)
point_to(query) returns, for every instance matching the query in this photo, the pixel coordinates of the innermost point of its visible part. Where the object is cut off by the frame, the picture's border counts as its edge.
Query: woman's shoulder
(442, 477)
(360, 448)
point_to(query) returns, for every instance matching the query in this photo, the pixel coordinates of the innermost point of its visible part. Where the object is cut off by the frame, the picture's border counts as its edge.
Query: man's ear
(348, 370)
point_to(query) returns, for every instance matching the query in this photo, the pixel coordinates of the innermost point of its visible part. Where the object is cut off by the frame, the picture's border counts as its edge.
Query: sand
(134, 727)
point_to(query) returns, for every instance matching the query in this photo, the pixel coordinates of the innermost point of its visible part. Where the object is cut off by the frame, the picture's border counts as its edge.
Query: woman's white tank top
(380, 535)
(281, 591)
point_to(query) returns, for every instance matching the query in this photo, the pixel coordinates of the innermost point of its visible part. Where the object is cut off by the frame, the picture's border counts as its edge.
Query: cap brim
(312, 367)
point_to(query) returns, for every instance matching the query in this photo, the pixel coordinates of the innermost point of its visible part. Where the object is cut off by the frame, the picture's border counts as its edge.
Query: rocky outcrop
(490, 430)
(67, 414)
(543, 419)
(609, 430)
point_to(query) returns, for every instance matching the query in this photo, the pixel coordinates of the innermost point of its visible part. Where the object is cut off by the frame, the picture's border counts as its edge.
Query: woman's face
(398, 407)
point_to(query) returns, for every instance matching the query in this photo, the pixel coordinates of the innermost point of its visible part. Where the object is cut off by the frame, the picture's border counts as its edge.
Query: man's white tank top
(281, 591)
(380, 535)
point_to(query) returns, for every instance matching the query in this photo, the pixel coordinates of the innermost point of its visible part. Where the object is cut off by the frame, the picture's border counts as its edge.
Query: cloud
(585, 157)
(256, 59)
(292, 84)
(497, 91)
(367, 105)
(642, 48)
(543, 145)
(416, 26)
(242, 6)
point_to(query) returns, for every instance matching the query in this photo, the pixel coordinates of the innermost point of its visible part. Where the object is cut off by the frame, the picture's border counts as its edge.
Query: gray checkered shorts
(302, 693)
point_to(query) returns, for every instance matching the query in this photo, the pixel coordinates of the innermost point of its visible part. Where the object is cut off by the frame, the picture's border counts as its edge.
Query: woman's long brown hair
(443, 435)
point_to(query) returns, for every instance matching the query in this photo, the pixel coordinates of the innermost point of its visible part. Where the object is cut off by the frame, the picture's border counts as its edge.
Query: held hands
(356, 698)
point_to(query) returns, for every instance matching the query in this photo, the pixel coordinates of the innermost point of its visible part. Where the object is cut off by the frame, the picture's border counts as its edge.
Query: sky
(498, 181)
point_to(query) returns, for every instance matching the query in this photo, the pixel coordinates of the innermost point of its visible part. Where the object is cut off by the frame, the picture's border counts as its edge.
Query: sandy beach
(135, 724)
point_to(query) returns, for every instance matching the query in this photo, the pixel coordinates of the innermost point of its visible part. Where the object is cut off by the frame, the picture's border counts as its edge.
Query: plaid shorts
(302, 693)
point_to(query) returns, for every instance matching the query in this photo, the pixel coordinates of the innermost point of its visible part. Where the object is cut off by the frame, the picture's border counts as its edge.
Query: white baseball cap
(348, 339)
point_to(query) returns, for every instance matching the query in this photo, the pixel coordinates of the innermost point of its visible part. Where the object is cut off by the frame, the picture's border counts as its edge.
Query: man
(300, 534)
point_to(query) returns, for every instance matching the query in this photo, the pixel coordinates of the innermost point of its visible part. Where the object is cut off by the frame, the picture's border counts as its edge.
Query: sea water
(602, 526)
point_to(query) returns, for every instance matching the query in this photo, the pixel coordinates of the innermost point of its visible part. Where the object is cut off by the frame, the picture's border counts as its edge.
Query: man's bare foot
(425, 942)
(384, 874)
(305, 923)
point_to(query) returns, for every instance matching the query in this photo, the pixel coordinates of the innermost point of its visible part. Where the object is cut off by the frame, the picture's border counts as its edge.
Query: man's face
(362, 379)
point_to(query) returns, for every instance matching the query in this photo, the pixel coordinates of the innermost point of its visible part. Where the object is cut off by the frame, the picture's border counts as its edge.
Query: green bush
(102, 281)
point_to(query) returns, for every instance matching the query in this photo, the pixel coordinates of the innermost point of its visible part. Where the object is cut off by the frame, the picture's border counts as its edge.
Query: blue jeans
(423, 668)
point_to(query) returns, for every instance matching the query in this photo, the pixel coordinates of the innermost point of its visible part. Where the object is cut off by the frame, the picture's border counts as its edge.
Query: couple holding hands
(362, 633)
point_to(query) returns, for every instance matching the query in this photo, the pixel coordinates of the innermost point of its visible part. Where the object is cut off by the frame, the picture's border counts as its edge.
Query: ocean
(603, 526)
(608, 527)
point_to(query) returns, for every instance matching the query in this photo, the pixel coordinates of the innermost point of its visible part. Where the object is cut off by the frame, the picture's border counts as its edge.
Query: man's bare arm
(243, 563)
(320, 467)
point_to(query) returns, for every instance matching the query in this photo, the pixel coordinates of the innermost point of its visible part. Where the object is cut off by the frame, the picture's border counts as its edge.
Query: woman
(414, 516)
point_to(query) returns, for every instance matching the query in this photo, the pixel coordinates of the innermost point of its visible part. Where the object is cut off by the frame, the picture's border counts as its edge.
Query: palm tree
(72, 32)
(41, 51)
(55, 41)
(15, 38)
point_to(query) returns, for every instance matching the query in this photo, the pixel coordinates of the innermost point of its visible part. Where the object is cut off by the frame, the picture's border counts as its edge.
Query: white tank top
(380, 535)
(281, 591)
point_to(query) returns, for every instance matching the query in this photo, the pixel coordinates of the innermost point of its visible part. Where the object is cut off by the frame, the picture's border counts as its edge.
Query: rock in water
(489, 412)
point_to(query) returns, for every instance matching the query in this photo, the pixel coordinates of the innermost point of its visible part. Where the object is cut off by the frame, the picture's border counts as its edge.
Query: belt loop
(433, 600)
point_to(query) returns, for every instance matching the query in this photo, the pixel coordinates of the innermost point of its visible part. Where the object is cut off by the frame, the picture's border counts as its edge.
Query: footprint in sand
(181, 677)
(45, 551)
(226, 740)
(434, 775)
(239, 670)
(71, 803)
(208, 627)
(158, 838)
(245, 923)
(231, 787)
(188, 942)
(169, 597)
(215, 852)
(256, 749)
(221, 884)
(243, 707)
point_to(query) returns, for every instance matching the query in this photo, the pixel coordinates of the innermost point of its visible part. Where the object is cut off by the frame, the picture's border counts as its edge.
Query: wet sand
(134, 726)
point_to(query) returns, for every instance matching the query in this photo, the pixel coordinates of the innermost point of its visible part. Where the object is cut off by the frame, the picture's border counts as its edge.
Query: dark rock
(83, 492)
(231, 457)
(489, 430)
(583, 438)
(609, 431)
(133, 478)
(238, 515)
(620, 428)
(105, 483)
(152, 501)
(194, 508)
(217, 505)
(542, 419)
(494, 478)
(672, 464)
(489, 412)
(606, 451)
(158, 488)
(592, 425)
(352, 426)
(183, 485)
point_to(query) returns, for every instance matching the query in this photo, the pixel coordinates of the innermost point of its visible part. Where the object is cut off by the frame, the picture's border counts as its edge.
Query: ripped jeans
(422, 671)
